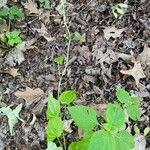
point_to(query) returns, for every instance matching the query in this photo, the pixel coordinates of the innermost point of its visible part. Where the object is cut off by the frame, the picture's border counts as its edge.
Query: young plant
(55, 124)
(119, 9)
(76, 36)
(11, 12)
(112, 134)
(44, 3)
(11, 38)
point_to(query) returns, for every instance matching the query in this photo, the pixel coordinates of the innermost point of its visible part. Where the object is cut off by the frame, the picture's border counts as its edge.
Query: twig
(68, 47)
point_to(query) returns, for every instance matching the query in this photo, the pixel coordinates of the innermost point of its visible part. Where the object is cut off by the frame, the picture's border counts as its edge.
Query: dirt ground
(108, 46)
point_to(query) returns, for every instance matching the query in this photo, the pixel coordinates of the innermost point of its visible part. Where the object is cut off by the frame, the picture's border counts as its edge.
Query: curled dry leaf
(112, 32)
(44, 33)
(16, 56)
(136, 72)
(29, 94)
(12, 71)
(67, 124)
(32, 7)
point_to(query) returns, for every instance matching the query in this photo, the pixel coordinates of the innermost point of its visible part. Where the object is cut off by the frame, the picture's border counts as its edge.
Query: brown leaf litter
(136, 72)
(112, 31)
(29, 94)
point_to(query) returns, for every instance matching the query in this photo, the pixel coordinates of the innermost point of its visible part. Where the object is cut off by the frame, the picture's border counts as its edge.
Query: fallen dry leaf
(140, 142)
(144, 57)
(12, 71)
(29, 94)
(136, 72)
(16, 56)
(100, 108)
(44, 33)
(32, 7)
(67, 124)
(112, 32)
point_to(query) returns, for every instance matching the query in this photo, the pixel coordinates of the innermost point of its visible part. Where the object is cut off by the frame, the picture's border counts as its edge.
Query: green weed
(11, 38)
(112, 134)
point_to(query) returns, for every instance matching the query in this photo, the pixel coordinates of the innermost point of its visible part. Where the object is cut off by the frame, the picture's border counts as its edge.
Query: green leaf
(4, 12)
(52, 146)
(124, 141)
(146, 131)
(122, 95)
(67, 37)
(115, 116)
(54, 128)
(122, 5)
(67, 97)
(11, 42)
(77, 36)
(45, 3)
(133, 100)
(110, 128)
(17, 40)
(14, 33)
(84, 117)
(102, 140)
(59, 59)
(15, 11)
(134, 112)
(53, 109)
(12, 115)
(136, 129)
(79, 145)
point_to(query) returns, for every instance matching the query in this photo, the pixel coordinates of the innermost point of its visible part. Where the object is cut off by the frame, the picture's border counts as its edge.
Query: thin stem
(9, 25)
(64, 140)
(59, 142)
(67, 59)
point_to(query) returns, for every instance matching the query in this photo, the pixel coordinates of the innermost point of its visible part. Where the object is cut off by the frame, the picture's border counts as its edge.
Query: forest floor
(98, 63)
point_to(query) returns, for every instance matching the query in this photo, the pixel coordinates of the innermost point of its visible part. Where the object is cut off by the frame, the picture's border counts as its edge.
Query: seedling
(119, 9)
(59, 59)
(112, 134)
(11, 12)
(76, 36)
(11, 38)
(44, 3)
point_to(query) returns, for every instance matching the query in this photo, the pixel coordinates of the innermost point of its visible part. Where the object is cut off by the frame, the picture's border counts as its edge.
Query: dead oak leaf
(144, 57)
(32, 7)
(136, 72)
(12, 71)
(112, 32)
(44, 33)
(29, 94)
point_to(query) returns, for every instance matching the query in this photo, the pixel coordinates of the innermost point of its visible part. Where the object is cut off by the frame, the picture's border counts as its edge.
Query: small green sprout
(119, 9)
(11, 12)
(59, 59)
(67, 37)
(11, 38)
(44, 3)
(77, 36)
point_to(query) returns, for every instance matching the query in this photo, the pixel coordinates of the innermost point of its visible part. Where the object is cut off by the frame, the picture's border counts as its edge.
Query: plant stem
(59, 142)
(67, 58)
(9, 25)
(68, 47)
(64, 140)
